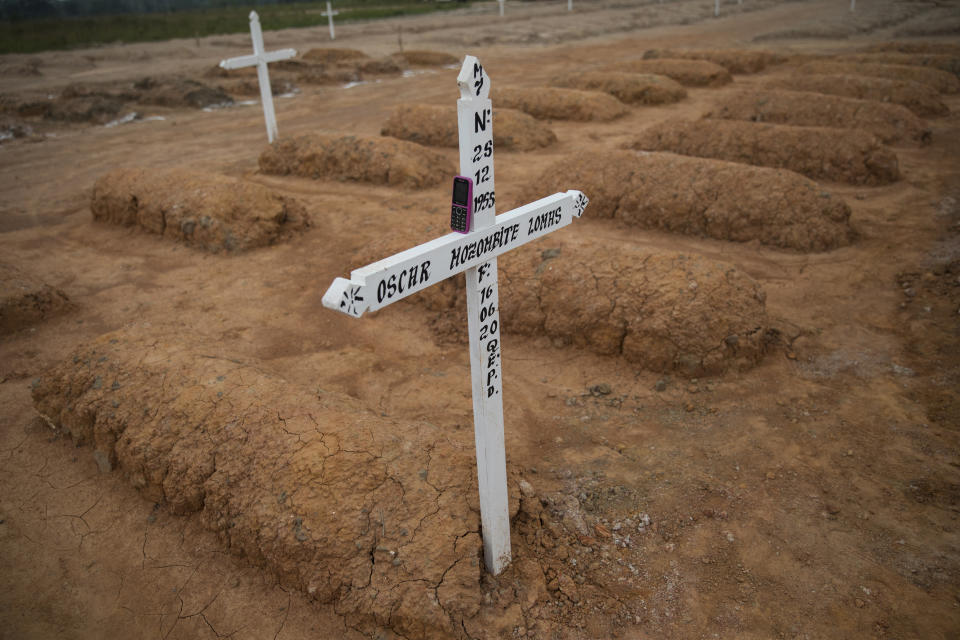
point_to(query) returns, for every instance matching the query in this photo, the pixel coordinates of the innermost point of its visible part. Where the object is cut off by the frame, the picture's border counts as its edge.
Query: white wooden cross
(501, 7)
(259, 59)
(391, 279)
(330, 13)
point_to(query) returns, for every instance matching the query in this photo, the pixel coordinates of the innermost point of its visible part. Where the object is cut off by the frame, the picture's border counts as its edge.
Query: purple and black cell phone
(461, 211)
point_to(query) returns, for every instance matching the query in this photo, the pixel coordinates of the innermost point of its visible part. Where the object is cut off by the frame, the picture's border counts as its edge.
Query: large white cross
(330, 13)
(382, 283)
(259, 59)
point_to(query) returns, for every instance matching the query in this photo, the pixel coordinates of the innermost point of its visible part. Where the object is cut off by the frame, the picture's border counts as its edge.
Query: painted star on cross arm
(350, 299)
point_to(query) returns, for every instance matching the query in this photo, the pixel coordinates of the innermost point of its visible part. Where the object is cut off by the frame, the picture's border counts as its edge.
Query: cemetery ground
(801, 484)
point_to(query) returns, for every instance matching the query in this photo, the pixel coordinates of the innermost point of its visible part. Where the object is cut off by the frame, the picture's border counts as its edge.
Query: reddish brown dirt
(692, 73)
(26, 301)
(665, 312)
(942, 81)
(734, 61)
(731, 201)
(436, 126)
(350, 509)
(205, 210)
(891, 123)
(551, 103)
(921, 99)
(812, 495)
(631, 88)
(942, 61)
(843, 155)
(421, 58)
(375, 160)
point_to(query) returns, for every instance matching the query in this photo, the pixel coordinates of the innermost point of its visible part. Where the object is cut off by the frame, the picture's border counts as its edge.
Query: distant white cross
(330, 13)
(475, 253)
(501, 7)
(259, 59)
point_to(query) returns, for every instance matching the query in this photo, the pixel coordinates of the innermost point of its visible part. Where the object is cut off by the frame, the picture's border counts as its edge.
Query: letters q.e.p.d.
(473, 249)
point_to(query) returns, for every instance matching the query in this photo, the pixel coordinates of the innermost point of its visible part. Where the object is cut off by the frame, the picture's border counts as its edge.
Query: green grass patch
(31, 36)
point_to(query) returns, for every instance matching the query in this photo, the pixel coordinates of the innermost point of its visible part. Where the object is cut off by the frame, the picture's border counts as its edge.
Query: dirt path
(813, 496)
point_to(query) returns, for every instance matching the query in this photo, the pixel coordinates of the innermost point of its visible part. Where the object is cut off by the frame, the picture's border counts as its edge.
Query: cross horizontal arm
(375, 286)
(253, 60)
(239, 62)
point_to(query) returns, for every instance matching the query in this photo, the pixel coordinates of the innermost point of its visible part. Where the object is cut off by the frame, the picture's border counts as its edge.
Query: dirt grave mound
(731, 201)
(375, 516)
(25, 300)
(334, 56)
(692, 73)
(822, 153)
(631, 88)
(668, 312)
(74, 104)
(921, 99)
(437, 126)
(917, 47)
(384, 161)
(179, 92)
(891, 123)
(942, 81)
(733, 60)
(328, 74)
(551, 103)
(205, 210)
(941, 61)
(425, 58)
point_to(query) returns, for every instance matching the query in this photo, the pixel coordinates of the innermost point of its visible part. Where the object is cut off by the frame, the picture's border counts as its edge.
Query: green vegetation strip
(31, 36)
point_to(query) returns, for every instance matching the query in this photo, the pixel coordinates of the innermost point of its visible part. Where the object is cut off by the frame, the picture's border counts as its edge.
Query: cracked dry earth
(231, 460)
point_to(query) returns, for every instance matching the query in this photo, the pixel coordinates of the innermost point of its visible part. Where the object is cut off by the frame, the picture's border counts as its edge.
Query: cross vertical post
(475, 123)
(501, 7)
(259, 59)
(569, 5)
(716, 8)
(330, 13)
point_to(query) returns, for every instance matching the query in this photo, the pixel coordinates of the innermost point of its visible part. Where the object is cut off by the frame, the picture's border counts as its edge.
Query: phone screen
(460, 190)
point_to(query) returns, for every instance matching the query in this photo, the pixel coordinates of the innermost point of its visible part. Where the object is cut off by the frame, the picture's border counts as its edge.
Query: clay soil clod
(691, 73)
(386, 161)
(551, 103)
(631, 88)
(921, 99)
(437, 126)
(823, 153)
(891, 123)
(731, 201)
(209, 211)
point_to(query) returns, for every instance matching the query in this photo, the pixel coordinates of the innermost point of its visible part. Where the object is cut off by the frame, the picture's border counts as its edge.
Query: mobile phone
(461, 211)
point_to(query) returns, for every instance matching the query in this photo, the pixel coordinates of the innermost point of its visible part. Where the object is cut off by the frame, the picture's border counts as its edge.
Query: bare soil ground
(812, 494)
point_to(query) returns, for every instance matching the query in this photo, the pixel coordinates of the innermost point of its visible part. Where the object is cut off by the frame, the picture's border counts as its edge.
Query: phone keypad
(458, 218)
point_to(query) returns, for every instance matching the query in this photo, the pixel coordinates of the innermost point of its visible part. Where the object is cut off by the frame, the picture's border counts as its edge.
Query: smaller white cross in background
(330, 13)
(259, 59)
